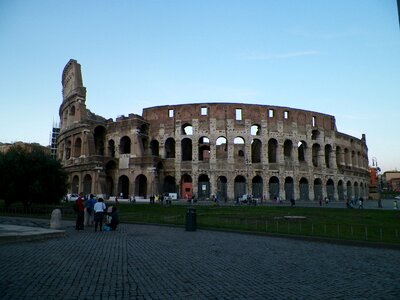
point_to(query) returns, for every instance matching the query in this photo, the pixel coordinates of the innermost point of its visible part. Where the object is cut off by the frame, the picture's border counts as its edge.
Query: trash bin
(191, 219)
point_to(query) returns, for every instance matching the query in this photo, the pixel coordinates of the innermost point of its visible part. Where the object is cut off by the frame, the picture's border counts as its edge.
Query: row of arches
(203, 188)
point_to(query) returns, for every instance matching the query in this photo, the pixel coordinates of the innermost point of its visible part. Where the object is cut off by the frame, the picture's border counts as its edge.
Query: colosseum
(206, 149)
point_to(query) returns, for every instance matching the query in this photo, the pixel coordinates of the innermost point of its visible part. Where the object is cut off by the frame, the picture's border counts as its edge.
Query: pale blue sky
(336, 57)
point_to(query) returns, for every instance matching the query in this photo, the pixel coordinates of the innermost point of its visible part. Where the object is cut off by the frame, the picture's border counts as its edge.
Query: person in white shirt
(99, 209)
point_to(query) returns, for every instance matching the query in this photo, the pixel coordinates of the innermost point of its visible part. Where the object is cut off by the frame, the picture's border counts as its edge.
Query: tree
(31, 176)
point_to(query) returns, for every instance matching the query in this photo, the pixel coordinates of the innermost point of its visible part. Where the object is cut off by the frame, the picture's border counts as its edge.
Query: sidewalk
(24, 229)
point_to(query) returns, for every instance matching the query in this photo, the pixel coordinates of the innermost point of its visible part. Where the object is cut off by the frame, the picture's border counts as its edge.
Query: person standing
(80, 212)
(99, 209)
(89, 213)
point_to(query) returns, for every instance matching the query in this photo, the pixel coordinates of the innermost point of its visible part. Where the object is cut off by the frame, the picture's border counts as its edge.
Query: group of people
(91, 212)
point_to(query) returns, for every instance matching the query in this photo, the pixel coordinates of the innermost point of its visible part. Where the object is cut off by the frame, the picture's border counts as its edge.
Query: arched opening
(239, 148)
(72, 111)
(221, 148)
(125, 145)
(154, 147)
(186, 148)
(289, 188)
(187, 129)
(109, 186)
(340, 190)
(123, 187)
(318, 195)
(186, 186)
(274, 188)
(170, 148)
(315, 135)
(330, 189)
(75, 185)
(315, 154)
(204, 149)
(356, 191)
(169, 185)
(301, 150)
(287, 150)
(349, 190)
(304, 190)
(203, 187)
(99, 140)
(328, 153)
(339, 159)
(257, 187)
(111, 148)
(255, 129)
(222, 188)
(239, 187)
(78, 147)
(141, 186)
(256, 151)
(68, 147)
(272, 151)
(87, 184)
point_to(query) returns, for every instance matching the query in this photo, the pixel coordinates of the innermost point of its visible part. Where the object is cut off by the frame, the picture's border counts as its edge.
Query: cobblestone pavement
(156, 262)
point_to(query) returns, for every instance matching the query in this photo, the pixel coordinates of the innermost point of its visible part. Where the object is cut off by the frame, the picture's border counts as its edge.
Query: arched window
(272, 150)
(125, 145)
(256, 151)
(186, 149)
(78, 148)
(170, 148)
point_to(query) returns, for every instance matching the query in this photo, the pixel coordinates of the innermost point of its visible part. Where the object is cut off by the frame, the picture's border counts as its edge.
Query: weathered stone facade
(223, 149)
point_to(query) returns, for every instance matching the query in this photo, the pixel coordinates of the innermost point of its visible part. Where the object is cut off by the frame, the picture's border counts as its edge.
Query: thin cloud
(272, 56)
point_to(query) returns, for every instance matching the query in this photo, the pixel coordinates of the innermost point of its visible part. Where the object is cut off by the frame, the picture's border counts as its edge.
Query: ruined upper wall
(256, 114)
(72, 79)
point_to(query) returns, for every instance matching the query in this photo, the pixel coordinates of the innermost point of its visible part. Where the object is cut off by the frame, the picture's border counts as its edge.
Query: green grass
(379, 226)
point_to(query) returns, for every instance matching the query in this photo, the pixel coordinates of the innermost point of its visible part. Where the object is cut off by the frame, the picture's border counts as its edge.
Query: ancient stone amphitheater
(225, 150)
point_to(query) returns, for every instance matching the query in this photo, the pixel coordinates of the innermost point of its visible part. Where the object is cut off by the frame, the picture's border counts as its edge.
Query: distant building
(223, 149)
(53, 141)
(391, 181)
(4, 147)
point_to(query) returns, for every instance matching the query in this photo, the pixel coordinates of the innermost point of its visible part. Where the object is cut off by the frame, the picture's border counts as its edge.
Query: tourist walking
(80, 211)
(99, 209)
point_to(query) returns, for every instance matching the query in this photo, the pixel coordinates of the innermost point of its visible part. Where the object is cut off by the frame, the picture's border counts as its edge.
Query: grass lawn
(370, 225)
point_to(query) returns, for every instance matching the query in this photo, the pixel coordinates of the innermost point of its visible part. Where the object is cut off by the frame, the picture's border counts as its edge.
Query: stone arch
(239, 146)
(109, 186)
(356, 191)
(186, 146)
(240, 186)
(170, 148)
(304, 189)
(287, 150)
(301, 151)
(141, 186)
(255, 129)
(154, 148)
(204, 148)
(204, 187)
(272, 151)
(123, 187)
(256, 150)
(349, 189)
(289, 188)
(187, 129)
(78, 147)
(186, 186)
(169, 185)
(125, 145)
(68, 149)
(111, 148)
(318, 195)
(330, 189)
(75, 185)
(221, 147)
(72, 111)
(340, 188)
(87, 184)
(222, 188)
(339, 157)
(315, 154)
(274, 188)
(99, 140)
(328, 153)
(257, 187)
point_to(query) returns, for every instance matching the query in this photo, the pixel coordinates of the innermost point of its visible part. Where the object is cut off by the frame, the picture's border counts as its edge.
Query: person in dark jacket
(114, 219)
